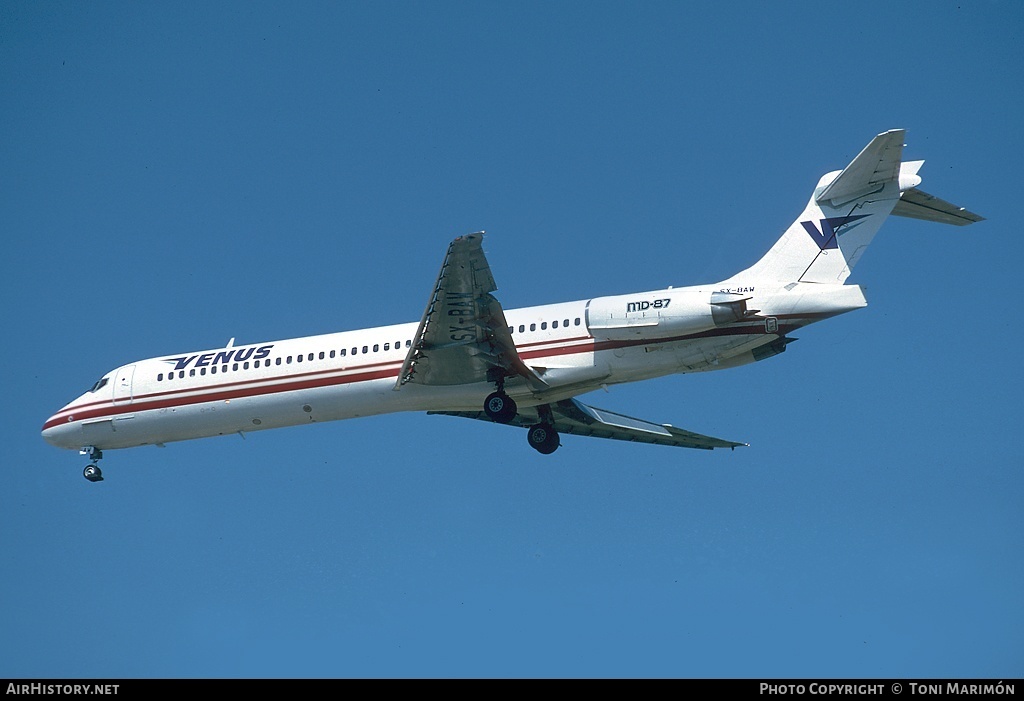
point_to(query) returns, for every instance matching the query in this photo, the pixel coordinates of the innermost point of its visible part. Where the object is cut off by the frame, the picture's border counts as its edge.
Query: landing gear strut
(542, 436)
(92, 472)
(498, 406)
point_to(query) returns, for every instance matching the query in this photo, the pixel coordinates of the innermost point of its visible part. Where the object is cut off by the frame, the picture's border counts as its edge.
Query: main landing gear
(498, 406)
(502, 409)
(543, 438)
(92, 472)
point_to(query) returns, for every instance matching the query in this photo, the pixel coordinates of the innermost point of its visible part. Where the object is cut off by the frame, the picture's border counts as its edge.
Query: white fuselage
(575, 347)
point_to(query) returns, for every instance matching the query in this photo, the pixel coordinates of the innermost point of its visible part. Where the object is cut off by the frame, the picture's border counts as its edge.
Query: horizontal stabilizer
(920, 205)
(877, 164)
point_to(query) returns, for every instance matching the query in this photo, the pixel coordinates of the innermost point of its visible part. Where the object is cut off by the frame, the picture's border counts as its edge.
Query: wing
(572, 416)
(463, 336)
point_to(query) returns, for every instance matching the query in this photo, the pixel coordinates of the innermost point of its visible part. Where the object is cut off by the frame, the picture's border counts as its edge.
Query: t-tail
(846, 211)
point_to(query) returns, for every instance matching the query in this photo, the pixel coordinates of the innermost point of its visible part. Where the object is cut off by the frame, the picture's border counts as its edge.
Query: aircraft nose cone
(60, 433)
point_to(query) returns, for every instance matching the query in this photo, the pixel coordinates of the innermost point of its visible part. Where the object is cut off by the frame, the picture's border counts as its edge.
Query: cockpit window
(99, 383)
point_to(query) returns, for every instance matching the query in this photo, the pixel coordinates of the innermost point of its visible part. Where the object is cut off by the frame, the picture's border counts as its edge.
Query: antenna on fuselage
(231, 343)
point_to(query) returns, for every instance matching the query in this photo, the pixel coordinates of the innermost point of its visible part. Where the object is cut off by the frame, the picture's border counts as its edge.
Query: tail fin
(846, 211)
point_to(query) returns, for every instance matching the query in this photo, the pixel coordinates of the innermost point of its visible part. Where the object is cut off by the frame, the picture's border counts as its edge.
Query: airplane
(469, 357)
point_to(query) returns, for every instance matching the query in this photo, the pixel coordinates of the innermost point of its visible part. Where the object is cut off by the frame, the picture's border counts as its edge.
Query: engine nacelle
(664, 313)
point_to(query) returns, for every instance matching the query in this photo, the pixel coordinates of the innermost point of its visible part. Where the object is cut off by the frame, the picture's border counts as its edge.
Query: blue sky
(174, 176)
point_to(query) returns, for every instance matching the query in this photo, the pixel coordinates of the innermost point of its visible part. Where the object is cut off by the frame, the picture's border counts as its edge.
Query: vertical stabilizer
(842, 217)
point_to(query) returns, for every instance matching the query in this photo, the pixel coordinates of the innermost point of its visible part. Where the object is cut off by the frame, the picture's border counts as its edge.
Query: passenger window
(245, 365)
(160, 377)
(533, 327)
(289, 360)
(387, 346)
(202, 371)
(277, 361)
(298, 358)
(376, 347)
(213, 370)
(408, 343)
(366, 349)
(554, 324)
(332, 353)
(192, 372)
(234, 367)
(310, 357)
(342, 352)
(354, 351)
(544, 326)
(565, 323)
(522, 328)
(577, 323)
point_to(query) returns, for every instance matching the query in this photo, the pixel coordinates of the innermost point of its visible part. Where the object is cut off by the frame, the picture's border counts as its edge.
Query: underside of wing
(463, 336)
(573, 417)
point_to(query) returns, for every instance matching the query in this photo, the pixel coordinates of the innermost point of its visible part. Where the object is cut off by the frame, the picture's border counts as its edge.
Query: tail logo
(828, 235)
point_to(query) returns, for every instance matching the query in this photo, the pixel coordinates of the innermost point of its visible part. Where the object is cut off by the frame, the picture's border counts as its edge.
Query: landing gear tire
(500, 407)
(543, 438)
(93, 473)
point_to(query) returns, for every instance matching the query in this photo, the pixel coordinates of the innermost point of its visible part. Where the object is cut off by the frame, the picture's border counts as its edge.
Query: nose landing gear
(92, 472)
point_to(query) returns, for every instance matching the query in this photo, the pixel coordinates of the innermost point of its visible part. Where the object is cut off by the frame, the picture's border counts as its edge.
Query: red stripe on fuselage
(252, 390)
(326, 378)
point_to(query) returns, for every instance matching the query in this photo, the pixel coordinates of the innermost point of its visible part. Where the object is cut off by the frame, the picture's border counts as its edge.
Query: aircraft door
(123, 384)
